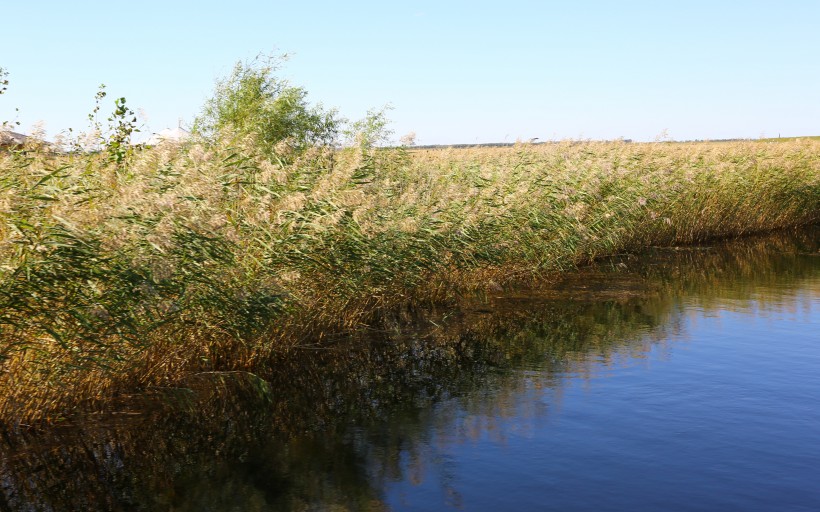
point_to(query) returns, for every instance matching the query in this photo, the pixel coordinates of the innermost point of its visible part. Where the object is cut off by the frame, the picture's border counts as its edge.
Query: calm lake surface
(682, 379)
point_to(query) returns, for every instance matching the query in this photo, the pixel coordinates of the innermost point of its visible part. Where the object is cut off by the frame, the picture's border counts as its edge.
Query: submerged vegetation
(121, 274)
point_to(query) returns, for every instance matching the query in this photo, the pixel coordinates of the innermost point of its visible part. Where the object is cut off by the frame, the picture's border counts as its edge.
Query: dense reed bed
(184, 437)
(121, 275)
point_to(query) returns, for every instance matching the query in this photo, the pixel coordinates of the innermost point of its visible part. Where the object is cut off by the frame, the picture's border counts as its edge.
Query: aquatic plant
(118, 274)
(289, 426)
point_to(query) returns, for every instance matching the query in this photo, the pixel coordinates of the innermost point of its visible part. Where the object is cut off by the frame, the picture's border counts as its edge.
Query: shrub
(253, 100)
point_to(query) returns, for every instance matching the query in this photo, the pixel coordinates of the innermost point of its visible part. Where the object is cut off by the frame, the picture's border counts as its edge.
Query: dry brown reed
(186, 259)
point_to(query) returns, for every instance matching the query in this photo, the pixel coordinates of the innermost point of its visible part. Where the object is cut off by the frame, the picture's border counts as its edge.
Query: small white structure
(173, 135)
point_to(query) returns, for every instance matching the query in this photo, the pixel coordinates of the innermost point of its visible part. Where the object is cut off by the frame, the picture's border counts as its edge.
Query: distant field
(538, 143)
(787, 139)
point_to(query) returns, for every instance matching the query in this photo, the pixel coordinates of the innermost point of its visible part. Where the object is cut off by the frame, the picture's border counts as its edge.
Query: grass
(122, 276)
(790, 139)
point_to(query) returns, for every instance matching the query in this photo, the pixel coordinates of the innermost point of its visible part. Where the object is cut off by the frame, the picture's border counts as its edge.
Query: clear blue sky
(454, 72)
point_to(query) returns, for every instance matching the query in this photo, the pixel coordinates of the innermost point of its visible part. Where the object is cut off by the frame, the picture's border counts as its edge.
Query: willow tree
(253, 100)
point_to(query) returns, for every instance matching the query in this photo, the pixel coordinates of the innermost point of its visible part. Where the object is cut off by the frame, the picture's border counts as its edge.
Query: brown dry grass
(203, 258)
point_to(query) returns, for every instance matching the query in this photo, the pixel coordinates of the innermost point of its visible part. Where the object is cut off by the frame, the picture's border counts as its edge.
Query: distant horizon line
(534, 141)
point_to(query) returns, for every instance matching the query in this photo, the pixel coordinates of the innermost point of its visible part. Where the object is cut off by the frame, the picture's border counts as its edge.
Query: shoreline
(211, 258)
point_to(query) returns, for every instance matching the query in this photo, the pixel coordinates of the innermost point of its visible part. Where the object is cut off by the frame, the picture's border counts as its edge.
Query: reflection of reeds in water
(198, 259)
(229, 439)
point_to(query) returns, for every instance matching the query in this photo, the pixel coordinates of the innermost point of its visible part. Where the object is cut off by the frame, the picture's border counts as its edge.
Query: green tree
(372, 130)
(253, 100)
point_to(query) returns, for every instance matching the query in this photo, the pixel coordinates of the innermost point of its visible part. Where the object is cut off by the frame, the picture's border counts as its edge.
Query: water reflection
(334, 425)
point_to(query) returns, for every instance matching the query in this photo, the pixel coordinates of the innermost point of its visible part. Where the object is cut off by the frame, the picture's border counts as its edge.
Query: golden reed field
(122, 274)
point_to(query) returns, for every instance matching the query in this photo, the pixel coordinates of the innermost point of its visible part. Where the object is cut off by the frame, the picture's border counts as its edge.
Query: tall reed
(117, 276)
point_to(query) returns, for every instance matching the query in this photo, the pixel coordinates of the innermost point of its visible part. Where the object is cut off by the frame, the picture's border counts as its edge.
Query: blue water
(723, 415)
